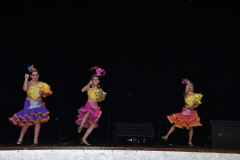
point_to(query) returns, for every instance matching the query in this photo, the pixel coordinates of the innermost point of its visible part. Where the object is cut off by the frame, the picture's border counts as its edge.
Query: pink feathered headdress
(98, 71)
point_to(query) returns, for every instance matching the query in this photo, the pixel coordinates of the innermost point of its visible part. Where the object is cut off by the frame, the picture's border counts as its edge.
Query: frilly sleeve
(46, 88)
(103, 94)
(197, 98)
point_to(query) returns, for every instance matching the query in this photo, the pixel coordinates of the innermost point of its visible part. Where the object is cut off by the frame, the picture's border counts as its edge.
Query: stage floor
(129, 148)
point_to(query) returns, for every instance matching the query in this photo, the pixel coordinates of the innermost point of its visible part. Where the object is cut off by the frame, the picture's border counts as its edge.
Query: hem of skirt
(184, 120)
(18, 123)
(97, 117)
(182, 126)
(32, 114)
(187, 127)
(91, 113)
(90, 123)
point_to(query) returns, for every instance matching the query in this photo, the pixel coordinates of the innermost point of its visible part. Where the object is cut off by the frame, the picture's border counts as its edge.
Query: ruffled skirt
(33, 110)
(94, 116)
(187, 118)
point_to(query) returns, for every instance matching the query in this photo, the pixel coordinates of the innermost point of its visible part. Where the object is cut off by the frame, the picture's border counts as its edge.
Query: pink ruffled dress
(188, 117)
(91, 107)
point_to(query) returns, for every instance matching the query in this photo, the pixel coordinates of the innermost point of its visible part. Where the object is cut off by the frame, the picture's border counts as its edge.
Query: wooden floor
(142, 148)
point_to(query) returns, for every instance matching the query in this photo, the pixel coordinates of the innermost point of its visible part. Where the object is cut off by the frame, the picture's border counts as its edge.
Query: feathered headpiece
(31, 68)
(98, 71)
(184, 81)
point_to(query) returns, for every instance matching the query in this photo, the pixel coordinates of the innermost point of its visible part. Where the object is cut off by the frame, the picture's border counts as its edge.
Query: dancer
(89, 114)
(188, 117)
(34, 111)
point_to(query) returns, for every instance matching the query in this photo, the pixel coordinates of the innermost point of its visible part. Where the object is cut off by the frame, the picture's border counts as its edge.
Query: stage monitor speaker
(134, 133)
(225, 134)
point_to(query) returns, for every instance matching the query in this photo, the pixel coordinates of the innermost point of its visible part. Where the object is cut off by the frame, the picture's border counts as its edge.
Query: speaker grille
(133, 130)
(225, 134)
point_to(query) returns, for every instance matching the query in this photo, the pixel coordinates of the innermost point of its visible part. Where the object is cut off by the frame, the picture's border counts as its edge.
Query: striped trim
(18, 123)
(182, 126)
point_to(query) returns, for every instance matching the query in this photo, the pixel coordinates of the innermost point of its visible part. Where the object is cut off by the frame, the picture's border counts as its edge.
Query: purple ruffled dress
(33, 110)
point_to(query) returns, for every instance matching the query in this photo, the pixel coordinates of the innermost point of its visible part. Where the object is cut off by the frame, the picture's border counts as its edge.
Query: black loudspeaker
(134, 133)
(225, 134)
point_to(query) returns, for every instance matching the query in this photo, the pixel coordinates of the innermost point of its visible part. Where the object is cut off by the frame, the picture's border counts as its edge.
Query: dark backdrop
(146, 48)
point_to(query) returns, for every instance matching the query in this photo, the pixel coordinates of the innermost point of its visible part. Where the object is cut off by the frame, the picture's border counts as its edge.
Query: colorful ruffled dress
(188, 117)
(33, 109)
(91, 107)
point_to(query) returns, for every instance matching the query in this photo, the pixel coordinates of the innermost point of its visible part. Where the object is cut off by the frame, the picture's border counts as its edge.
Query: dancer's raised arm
(25, 84)
(85, 88)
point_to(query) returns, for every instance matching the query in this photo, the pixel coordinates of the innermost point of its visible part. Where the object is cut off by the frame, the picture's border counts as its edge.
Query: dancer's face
(34, 76)
(191, 88)
(95, 81)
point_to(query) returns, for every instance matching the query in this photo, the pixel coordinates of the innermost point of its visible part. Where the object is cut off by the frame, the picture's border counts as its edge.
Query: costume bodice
(95, 94)
(195, 98)
(33, 91)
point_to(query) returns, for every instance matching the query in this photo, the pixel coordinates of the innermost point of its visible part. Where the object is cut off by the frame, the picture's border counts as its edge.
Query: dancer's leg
(89, 130)
(190, 134)
(36, 131)
(84, 118)
(23, 131)
(170, 131)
